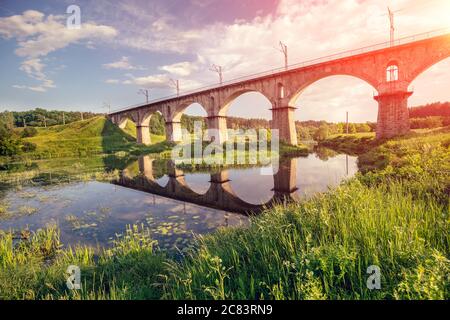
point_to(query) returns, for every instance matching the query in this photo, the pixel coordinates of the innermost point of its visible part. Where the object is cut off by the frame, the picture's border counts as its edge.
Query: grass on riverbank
(395, 217)
(351, 144)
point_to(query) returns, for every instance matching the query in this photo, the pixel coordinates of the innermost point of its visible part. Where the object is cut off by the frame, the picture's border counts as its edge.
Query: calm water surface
(175, 205)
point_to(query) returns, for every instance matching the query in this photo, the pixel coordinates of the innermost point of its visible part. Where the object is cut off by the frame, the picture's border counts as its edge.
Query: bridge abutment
(393, 114)
(283, 120)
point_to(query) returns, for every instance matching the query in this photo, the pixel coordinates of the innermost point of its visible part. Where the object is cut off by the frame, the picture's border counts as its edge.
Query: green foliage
(86, 138)
(41, 117)
(7, 120)
(437, 109)
(29, 132)
(353, 144)
(157, 125)
(35, 267)
(321, 249)
(9, 145)
(28, 146)
(187, 122)
(322, 133)
(426, 123)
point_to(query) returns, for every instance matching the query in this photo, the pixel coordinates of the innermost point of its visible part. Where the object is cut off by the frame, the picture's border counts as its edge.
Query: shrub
(29, 132)
(28, 147)
(9, 146)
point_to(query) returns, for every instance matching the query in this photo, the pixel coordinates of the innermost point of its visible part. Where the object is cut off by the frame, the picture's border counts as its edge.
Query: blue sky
(127, 45)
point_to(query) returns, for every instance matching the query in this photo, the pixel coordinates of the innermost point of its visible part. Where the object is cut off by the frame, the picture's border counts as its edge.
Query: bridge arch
(297, 92)
(430, 83)
(173, 125)
(425, 66)
(230, 99)
(329, 98)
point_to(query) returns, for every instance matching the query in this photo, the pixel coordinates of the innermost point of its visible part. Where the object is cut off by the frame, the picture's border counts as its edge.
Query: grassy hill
(94, 136)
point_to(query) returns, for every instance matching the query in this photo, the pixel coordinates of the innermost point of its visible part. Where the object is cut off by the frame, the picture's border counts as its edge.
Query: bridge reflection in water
(219, 195)
(240, 190)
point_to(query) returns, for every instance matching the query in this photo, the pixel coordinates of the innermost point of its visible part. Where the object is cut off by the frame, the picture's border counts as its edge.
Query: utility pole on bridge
(176, 84)
(391, 21)
(284, 50)
(219, 71)
(145, 93)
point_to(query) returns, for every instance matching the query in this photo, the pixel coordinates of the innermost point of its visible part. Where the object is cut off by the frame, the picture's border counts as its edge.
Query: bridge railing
(303, 64)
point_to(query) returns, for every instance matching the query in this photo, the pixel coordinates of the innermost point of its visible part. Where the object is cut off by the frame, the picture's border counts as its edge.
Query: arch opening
(248, 110)
(323, 106)
(429, 105)
(156, 124)
(191, 117)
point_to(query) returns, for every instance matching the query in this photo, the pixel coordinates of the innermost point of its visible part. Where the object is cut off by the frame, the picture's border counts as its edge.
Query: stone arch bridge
(389, 70)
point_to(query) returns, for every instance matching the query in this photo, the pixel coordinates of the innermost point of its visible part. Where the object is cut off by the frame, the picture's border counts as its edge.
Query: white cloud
(112, 81)
(122, 64)
(182, 69)
(37, 36)
(154, 81)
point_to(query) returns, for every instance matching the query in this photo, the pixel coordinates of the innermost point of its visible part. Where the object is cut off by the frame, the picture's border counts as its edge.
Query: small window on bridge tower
(281, 91)
(392, 73)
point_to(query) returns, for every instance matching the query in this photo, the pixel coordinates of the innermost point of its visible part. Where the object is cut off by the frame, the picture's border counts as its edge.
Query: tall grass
(395, 216)
(322, 248)
(36, 268)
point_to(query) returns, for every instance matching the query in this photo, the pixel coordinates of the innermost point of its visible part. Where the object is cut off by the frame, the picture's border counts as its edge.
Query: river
(175, 204)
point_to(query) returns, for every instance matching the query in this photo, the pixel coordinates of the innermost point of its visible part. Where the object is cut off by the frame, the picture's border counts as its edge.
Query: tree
(321, 133)
(303, 133)
(7, 120)
(29, 132)
(351, 128)
(363, 127)
(8, 145)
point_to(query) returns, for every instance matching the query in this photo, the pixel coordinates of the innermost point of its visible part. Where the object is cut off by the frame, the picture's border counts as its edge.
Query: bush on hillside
(28, 147)
(29, 132)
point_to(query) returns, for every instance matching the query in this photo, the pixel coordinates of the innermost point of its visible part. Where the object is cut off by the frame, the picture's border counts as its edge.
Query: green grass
(395, 216)
(90, 137)
(352, 144)
(130, 269)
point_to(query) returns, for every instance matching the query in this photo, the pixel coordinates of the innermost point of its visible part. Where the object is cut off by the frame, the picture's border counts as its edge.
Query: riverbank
(395, 216)
(97, 137)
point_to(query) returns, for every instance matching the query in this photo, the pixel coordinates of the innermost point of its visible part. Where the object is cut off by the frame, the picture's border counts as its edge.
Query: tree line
(44, 118)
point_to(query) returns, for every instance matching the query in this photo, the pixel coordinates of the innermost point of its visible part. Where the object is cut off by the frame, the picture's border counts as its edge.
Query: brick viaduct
(389, 70)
